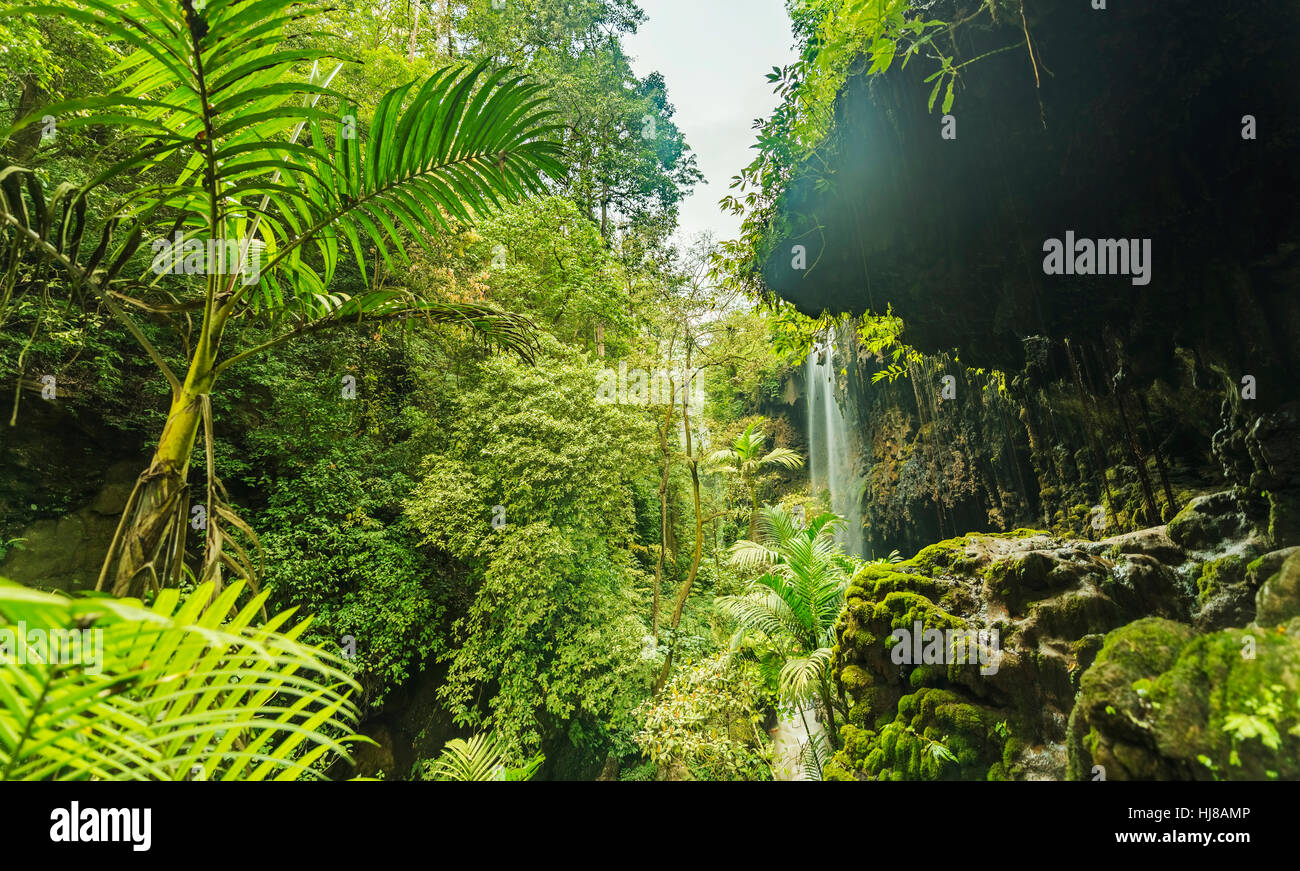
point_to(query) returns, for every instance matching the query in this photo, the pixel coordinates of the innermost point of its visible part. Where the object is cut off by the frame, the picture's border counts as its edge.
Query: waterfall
(830, 444)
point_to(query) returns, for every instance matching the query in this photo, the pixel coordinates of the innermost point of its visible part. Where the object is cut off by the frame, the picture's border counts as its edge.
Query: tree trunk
(684, 593)
(24, 143)
(415, 29)
(149, 547)
(663, 519)
(828, 703)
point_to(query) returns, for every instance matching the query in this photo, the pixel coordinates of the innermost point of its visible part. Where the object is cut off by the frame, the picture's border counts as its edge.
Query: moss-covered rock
(1048, 602)
(1219, 574)
(936, 735)
(1153, 542)
(1207, 520)
(1278, 599)
(1227, 586)
(1161, 703)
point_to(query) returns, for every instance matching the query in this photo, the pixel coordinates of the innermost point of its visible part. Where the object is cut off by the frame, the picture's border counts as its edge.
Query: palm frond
(783, 457)
(776, 526)
(467, 141)
(800, 676)
(215, 92)
(747, 554)
(724, 460)
(813, 756)
(762, 612)
(482, 757)
(182, 689)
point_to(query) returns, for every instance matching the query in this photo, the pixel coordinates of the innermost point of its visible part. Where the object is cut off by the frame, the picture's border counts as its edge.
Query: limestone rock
(1206, 521)
(1278, 599)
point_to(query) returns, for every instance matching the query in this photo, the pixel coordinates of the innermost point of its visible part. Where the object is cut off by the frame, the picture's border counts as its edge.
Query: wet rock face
(66, 553)
(1114, 143)
(1119, 653)
(1206, 520)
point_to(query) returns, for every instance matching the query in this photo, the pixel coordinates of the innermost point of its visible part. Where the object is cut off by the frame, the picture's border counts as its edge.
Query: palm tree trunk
(149, 546)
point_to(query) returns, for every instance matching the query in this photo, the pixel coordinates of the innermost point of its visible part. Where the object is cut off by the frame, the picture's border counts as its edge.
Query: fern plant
(236, 149)
(794, 603)
(183, 689)
(813, 756)
(482, 757)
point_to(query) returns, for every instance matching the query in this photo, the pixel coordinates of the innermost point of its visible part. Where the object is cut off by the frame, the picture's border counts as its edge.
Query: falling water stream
(830, 443)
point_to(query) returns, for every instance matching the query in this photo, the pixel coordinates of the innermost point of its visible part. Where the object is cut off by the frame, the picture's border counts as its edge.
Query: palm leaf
(183, 689)
(801, 675)
(482, 757)
(813, 755)
(783, 457)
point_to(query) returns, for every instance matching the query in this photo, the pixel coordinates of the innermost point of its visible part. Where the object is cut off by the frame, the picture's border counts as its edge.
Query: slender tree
(745, 458)
(212, 91)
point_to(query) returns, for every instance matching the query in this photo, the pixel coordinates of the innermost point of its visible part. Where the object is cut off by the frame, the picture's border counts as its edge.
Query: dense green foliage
(537, 468)
(441, 509)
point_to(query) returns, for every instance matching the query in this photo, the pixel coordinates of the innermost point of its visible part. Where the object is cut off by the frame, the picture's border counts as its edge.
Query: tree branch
(82, 278)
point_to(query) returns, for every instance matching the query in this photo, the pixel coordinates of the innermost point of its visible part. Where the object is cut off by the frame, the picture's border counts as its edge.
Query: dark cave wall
(1029, 455)
(1133, 130)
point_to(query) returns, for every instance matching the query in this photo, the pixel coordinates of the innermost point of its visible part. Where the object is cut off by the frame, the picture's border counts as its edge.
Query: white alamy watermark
(626, 386)
(181, 256)
(1098, 257)
(77, 824)
(81, 647)
(921, 646)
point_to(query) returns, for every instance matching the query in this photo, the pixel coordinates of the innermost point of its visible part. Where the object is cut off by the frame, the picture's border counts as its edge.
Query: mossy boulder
(1278, 600)
(1161, 703)
(1153, 542)
(1218, 574)
(935, 735)
(1227, 585)
(1049, 601)
(1016, 579)
(1206, 521)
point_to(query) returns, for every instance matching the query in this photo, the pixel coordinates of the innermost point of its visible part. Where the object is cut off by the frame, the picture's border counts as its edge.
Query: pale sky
(714, 55)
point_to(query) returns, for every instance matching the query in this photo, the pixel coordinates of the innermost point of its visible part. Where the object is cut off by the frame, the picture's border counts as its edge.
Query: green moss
(1145, 646)
(934, 734)
(927, 676)
(855, 679)
(940, 556)
(1251, 701)
(1158, 701)
(1278, 599)
(874, 581)
(903, 610)
(1196, 525)
(1015, 580)
(1218, 574)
